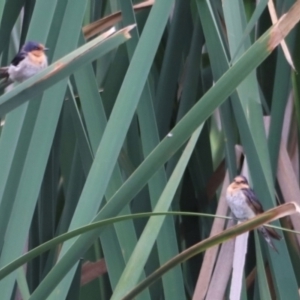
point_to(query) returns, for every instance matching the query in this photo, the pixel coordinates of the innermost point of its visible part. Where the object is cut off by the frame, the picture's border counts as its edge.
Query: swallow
(30, 60)
(244, 205)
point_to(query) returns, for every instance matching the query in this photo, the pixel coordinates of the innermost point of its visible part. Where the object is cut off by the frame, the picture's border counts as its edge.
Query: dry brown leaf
(293, 146)
(222, 271)
(288, 184)
(211, 254)
(283, 44)
(287, 209)
(92, 270)
(288, 119)
(98, 26)
(285, 24)
(239, 259)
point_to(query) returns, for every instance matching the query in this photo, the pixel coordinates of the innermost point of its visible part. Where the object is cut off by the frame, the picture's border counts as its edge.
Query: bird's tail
(269, 233)
(4, 73)
(4, 79)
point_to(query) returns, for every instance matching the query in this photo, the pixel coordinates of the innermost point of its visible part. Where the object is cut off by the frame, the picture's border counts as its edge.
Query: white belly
(24, 70)
(239, 207)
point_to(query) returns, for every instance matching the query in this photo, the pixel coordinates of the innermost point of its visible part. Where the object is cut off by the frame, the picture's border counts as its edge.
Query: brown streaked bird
(244, 205)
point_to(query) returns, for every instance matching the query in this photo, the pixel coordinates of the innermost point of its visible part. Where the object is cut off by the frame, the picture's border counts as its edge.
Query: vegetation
(114, 160)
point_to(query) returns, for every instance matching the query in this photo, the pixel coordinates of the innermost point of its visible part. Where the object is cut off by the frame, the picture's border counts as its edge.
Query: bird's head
(35, 48)
(240, 180)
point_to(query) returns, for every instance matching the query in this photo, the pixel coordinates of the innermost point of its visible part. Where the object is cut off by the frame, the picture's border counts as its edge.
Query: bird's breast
(37, 59)
(26, 69)
(239, 206)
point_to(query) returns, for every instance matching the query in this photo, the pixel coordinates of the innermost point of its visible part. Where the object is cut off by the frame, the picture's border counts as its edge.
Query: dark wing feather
(253, 201)
(257, 207)
(4, 73)
(18, 58)
(273, 233)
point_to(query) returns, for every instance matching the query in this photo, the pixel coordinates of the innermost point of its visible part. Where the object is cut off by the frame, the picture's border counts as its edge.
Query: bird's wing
(253, 201)
(18, 58)
(4, 73)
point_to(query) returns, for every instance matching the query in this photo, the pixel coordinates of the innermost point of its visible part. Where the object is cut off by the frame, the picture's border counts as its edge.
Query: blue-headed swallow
(30, 60)
(244, 205)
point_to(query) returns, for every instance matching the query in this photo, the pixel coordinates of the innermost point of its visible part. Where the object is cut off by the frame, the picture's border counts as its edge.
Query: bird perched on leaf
(244, 205)
(30, 60)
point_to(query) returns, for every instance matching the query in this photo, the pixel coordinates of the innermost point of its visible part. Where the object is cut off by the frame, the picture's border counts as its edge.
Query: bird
(245, 205)
(30, 60)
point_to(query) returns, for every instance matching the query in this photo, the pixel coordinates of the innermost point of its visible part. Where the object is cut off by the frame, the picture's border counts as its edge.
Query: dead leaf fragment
(92, 270)
(98, 26)
(285, 24)
(284, 46)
